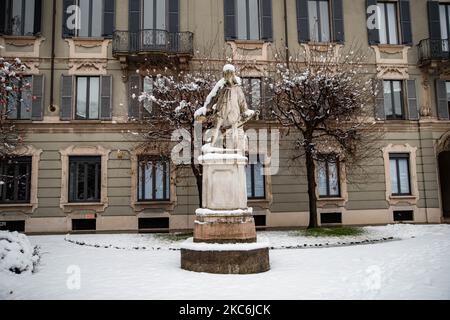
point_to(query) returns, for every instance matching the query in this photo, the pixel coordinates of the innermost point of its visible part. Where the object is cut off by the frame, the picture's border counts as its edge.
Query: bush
(17, 255)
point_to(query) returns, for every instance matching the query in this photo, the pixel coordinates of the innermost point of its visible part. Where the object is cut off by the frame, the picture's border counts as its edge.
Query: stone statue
(228, 106)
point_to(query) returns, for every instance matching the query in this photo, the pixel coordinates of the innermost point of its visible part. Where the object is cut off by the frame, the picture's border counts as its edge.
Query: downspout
(286, 40)
(423, 171)
(52, 63)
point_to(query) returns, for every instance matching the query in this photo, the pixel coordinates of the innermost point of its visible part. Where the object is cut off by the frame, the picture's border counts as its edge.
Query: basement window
(260, 221)
(84, 224)
(12, 226)
(403, 215)
(331, 217)
(153, 223)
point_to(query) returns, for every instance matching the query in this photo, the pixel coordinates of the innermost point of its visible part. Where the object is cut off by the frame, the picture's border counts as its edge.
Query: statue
(228, 106)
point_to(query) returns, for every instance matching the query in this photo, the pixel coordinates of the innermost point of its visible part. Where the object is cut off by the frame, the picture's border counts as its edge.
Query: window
(399, 172)
(329, 179)
(319, 20)
(88, 98)
(19, 16)
(256, 187)
(331, 217)
(252, 87)
(20, 101)
(148, 88)
(388, 23)
(15, 180)
(404, 215)
(91, 18)
(447, 87)
(154, 179)
(154, 24)
(247, 19)
(444, 17)
(153, 223)
(84, 179)
(393, 99)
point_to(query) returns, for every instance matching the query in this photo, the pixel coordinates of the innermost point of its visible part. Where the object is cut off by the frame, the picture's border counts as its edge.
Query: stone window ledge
(97, 207)
(338, 201)
(22, 205)
(25, 208)
(406, 199)
(244, 42)
(164, 205)
(93, 39)
(17, 37)
(260, 203)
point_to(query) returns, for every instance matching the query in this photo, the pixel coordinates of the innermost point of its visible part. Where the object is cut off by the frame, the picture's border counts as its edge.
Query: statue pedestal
(224, 233)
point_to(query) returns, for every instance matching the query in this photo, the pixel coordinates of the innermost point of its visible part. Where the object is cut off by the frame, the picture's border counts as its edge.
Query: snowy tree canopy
(11, 85)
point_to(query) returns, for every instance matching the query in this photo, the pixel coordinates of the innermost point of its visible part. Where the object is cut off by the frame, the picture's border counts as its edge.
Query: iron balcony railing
(434, 49)
(152, 40)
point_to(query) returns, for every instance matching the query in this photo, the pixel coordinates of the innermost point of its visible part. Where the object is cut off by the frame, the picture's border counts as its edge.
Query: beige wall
(366, 203)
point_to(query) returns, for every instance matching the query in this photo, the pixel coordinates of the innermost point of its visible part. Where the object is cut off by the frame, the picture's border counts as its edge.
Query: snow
(221, 156)
(16, 253)
(229, 67)
(413, 267)
(191, 245)
(209, 212)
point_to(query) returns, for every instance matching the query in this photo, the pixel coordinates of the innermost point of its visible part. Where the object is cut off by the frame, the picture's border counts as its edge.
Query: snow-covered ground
(148, 267)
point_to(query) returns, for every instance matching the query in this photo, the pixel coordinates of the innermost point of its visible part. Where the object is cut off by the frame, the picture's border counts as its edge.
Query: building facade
(79, 168)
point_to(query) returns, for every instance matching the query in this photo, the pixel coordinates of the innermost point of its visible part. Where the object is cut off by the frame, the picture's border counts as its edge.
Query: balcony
(434, 52)
(152, 41)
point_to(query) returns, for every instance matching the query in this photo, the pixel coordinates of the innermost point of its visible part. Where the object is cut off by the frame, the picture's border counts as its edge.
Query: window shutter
(106, 98)
(134, 85)
(8, 20)
(67, 32)
(37, 17)
(434, 23)
(338, 21)
(134, 23)
(413, 110)
(66, 97)
(405, 22)
(174, 18)
(379, 112)
(373, 34)
(266, 20)
(229, 19)
(37, 104)
(2, 16)
(108, 17)
(441, 98)
(302, 21)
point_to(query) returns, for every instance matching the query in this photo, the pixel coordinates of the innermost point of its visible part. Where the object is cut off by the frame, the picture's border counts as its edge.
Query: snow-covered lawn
(415, 266)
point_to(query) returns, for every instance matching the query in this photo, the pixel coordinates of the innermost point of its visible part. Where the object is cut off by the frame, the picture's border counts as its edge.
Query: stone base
(215, 228)
(226, 261)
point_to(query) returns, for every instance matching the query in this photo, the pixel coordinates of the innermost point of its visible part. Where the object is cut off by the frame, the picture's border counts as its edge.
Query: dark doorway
(444, 178)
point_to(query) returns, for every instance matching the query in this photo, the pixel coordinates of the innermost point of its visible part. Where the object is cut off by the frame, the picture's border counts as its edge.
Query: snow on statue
(228, 106)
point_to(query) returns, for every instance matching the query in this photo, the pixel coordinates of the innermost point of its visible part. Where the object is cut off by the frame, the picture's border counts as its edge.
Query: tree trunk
(199, 180)
(311, 176)
(197, 170)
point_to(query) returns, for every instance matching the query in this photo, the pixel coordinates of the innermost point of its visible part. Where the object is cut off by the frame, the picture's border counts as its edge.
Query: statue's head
(229, 74)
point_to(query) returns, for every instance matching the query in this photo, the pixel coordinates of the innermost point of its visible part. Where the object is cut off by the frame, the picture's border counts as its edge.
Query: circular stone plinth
(225, 258)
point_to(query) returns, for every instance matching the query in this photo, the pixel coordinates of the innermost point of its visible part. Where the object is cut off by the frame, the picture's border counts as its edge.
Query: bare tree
(11, 88)
(330, 99)
(171, 106)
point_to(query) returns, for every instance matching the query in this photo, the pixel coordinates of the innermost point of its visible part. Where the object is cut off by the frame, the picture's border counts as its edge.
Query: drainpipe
(423, 172)
(286, 40)
(52, 71)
